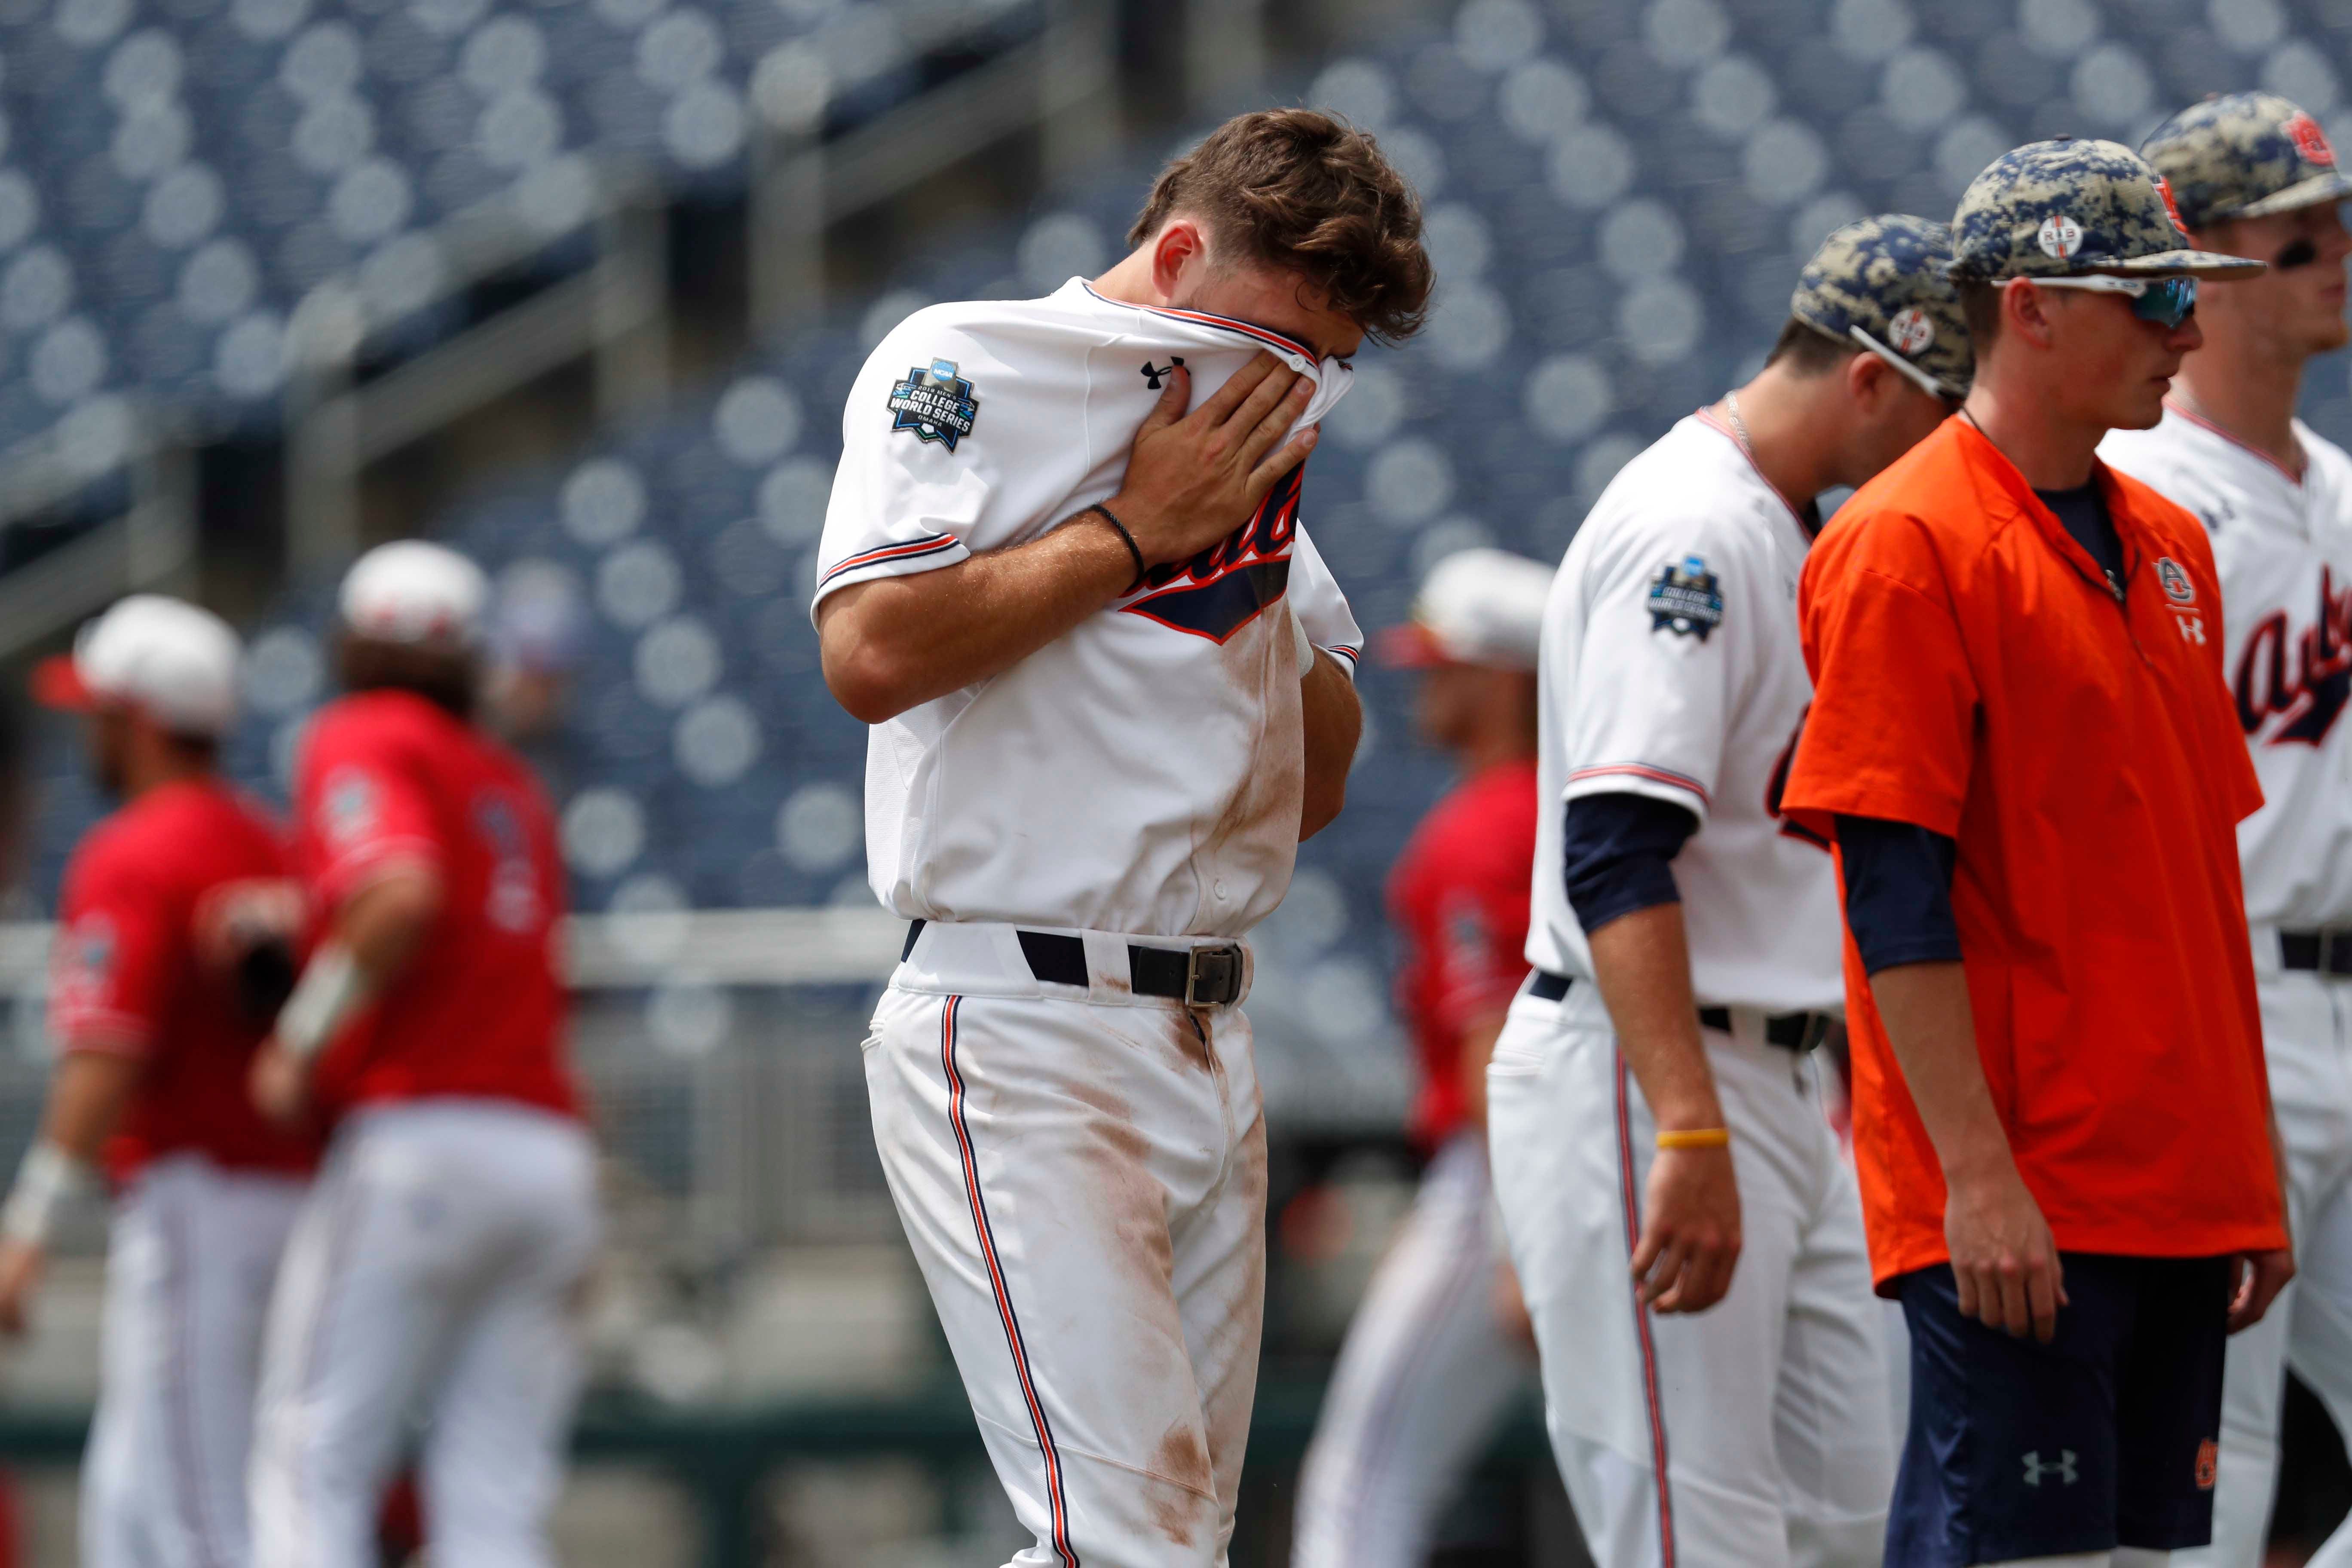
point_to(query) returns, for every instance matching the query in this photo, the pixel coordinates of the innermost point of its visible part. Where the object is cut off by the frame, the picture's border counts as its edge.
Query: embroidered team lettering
(2303, 680)
(1219, 591)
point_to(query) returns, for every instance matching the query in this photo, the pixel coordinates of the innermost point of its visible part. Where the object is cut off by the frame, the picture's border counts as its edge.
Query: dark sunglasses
(2167, 302)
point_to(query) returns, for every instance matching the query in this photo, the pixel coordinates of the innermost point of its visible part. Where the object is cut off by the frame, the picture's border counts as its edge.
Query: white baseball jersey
(1672, 667)
(1144, 772)
(2284, 549)
(2284, 553)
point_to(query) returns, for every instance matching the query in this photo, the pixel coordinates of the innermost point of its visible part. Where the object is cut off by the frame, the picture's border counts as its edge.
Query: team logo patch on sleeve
(1685, 599)
(936, 403)
(348, 806)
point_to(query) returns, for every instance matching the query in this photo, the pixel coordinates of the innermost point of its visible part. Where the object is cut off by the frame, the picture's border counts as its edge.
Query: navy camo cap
(2244, 154)
(2073, 205)
(1879, 282)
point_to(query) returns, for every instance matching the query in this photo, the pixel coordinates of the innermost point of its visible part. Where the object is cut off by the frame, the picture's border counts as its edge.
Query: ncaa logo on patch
(1910, 331)
(2177, 585)
(2309, 140)
(2060, 238)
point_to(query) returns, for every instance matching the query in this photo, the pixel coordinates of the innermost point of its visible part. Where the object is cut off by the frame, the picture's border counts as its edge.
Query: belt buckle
(1212, 976)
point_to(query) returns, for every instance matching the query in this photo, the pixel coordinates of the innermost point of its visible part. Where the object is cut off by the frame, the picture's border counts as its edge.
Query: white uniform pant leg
(500, 1421)
(1084, 1187)
(431, 1223)
(189, 1263)
(1769, 1414)
(2309, 1054)
(1424, 1374)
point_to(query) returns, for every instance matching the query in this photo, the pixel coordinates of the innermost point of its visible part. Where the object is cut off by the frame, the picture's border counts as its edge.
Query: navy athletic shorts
(2106, 1436)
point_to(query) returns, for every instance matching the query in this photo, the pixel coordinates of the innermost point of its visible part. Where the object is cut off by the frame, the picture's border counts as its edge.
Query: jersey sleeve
(1891, 733)
(363, 811)
(1655, 675)
(111, 969)
(910, 490)
(1320, 606)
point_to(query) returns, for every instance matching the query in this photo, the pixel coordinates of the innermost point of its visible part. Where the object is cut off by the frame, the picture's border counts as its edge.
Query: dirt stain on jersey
(1117, 1156)
(1180, 1459)
(1233, 1343)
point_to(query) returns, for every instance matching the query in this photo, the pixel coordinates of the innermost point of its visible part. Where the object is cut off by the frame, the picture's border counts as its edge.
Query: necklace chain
(1739, 426)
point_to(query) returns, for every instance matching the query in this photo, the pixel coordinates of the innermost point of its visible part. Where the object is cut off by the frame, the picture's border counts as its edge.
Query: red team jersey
(1458, 896)
(388, 779)
(144, 967)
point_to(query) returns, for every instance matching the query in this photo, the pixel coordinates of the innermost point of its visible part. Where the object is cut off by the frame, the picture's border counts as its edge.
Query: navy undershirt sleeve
(1619, 853)
(1898, 892)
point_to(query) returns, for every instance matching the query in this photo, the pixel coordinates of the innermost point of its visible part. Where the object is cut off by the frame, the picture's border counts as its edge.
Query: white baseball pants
(433, 1277)
(191, 1253)
(2308, 1038)
(1081, 1174)
(1425, 1374)
(1757, 1433)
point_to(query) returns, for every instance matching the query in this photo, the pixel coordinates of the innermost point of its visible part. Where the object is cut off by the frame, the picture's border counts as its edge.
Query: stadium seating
(1620, 195)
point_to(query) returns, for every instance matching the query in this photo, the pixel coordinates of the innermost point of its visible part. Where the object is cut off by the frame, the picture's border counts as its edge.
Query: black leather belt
(1196, 976)
(1789, 1031)
(2319, 951)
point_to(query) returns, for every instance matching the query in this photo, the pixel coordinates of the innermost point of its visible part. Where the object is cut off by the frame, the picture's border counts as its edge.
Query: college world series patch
(936, 403)
(1685, 599)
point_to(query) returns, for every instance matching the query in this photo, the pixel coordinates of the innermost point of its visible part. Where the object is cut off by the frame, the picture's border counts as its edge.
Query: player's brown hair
(447, 679)
(1809, 351)
(1306, 192)
(1981, 308)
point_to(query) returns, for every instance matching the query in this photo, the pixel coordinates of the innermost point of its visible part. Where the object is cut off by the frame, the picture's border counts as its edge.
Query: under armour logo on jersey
(2305, 679)
(1685, 599)
(936, 403)
(2062, 1467)
(1153, 373)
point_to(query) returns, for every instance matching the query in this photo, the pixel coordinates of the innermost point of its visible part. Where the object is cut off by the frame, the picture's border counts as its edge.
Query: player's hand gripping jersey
(1676, 601)
(160, 904)
(388, 779)
(1144, 773)
(2284, 553)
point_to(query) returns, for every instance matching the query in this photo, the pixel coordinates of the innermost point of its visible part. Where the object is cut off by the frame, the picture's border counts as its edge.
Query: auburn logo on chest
(1222, 589)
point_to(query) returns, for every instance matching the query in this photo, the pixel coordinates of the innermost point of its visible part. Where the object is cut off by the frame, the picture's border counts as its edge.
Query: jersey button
(1218, 887)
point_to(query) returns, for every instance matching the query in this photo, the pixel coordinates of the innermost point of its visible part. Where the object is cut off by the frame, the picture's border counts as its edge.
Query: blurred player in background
(2021, 745)
(437, 1268)
(2253, 175)
(1655, 1095)
(1111, 681)
(1438, 1347)
(178, 921)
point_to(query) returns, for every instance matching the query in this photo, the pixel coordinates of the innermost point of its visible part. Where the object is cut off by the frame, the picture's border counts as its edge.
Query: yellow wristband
(1697, 1138)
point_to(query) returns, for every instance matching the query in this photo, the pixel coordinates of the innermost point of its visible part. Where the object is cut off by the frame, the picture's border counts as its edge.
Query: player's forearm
(899, 642)
(382, 925)
(1334, 720)
(1933, 1031)
(1641, 962)
(86, 1100)
(1477, 1049)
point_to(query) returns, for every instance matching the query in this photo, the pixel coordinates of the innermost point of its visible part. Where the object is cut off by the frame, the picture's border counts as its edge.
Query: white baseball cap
(1476, 607)
(176, 661)
(412, 592)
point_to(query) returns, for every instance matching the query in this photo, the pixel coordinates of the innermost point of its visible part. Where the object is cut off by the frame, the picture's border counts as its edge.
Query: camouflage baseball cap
(2247, 154)
(2055, 209)
(1879, 281)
